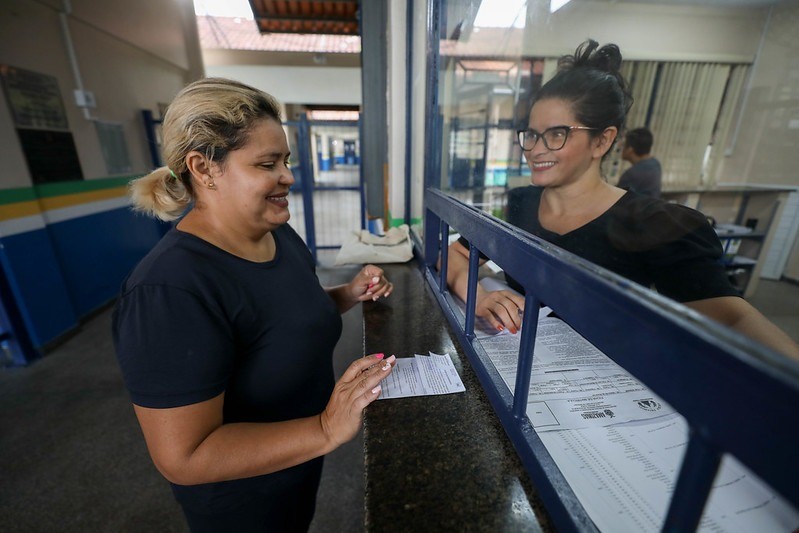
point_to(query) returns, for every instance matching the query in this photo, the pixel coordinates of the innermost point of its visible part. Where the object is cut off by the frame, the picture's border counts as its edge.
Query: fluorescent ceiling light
(554, 5)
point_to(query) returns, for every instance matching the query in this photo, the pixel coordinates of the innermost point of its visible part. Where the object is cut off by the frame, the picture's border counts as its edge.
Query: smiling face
(575, 161)
(251, 188)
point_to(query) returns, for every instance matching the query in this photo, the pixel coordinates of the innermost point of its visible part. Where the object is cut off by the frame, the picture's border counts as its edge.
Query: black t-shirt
(193, 321)
(654, 243)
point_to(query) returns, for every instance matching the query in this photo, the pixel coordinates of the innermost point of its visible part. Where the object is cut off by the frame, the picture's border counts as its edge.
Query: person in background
(644, 177)
(223, 333)
(572, 125)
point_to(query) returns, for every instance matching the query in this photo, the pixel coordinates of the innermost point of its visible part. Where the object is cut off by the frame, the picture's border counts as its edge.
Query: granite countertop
(437, 463)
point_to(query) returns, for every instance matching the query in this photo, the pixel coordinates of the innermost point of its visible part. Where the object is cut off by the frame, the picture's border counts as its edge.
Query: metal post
(471, 291)
(526, 354)
(442, 273)
(699, 467)
(432, 224)
(306, 185)
(149, 131)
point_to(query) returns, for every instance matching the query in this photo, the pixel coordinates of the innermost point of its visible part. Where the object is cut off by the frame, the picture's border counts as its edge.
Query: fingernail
(376, 389)
(386, 295)
(500, 328)
(379, 355)
(375, 279)
(387, 365)
(374, 298)
(391, 359)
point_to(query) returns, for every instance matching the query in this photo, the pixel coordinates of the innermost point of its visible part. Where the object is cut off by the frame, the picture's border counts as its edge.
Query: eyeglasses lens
(554, 138)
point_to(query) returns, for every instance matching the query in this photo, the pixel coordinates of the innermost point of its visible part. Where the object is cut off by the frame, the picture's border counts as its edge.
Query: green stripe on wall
(12, 196)
(48, 190)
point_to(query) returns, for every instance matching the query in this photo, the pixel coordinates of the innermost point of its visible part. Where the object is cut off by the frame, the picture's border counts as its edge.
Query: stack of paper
(422, 375)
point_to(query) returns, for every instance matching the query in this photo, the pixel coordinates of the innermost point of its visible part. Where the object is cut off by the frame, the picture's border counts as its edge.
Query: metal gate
(328, 206)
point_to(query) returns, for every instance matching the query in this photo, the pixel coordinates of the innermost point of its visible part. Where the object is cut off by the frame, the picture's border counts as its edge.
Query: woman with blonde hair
(223, 333)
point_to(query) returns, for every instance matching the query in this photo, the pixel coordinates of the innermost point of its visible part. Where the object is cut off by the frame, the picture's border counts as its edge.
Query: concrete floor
(72, 458)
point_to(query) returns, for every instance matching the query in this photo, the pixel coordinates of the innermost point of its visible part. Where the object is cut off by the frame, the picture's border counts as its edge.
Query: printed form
(622, 466)
(422, 375)
(573, 384)
(624, 476)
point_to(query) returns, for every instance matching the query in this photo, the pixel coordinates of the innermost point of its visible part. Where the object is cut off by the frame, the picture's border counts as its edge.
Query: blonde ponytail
(159, 194)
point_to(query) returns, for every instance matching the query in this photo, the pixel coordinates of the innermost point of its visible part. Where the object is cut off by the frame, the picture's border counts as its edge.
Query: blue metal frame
(432, 128)
(736, 395)
(307, 185)
(149, 130)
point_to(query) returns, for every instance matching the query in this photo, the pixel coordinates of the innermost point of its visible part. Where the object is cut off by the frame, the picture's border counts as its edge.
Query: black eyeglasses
(554, 138)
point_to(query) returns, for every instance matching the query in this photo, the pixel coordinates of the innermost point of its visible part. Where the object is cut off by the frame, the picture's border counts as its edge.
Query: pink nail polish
(379, 355)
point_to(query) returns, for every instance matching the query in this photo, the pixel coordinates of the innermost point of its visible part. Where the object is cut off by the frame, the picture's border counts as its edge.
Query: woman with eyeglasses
(573, 124)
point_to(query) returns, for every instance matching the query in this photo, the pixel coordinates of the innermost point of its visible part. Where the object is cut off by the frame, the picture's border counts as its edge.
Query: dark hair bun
(589, 55)
(591, 81)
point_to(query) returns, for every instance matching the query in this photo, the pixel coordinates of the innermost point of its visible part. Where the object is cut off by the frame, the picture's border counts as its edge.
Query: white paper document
(624, 476)
(422, 375)
(573, 384)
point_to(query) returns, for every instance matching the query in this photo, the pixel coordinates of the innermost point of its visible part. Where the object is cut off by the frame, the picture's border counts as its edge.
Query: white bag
(364, 247)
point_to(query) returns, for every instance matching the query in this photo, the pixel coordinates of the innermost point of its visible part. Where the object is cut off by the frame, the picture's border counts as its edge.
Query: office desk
(437, 463)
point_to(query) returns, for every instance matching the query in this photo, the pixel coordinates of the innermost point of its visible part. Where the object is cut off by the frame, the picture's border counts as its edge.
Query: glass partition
(687, 77)
(723, 115)
(720, 109)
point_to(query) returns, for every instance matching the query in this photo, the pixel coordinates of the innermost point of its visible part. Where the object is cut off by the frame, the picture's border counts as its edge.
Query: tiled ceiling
(332, 17)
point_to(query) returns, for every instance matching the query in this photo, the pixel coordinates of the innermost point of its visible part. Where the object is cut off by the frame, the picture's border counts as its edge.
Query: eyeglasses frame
(520, 136)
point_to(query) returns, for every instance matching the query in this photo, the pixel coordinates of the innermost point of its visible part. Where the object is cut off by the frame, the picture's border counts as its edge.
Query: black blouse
(665, 246)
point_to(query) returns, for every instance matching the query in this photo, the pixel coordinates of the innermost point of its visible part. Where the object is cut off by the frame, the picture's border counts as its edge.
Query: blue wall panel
(34, 275)
(97, 251)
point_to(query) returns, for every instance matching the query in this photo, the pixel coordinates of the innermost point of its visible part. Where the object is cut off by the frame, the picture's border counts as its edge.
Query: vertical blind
(689, 108)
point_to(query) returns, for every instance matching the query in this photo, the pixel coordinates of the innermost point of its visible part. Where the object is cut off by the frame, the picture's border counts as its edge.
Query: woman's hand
(370, 284)
(503, 309)
(357, 388)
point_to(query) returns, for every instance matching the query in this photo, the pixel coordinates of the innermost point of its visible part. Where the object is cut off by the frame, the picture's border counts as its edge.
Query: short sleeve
(688, 267)
(173, 349)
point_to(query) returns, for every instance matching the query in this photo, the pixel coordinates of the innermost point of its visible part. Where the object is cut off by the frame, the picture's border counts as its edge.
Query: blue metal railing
(736, 395)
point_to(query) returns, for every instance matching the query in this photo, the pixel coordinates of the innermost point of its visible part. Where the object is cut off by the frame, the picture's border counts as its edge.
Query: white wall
(646, 31)
(396, 99)
(765, 149)
(131, 55)
(298, 85)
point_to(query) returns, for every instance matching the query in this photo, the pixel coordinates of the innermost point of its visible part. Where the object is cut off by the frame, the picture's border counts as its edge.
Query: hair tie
(172, 173)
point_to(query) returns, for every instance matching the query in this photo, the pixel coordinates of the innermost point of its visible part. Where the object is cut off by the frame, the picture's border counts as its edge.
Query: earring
(211, 185)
